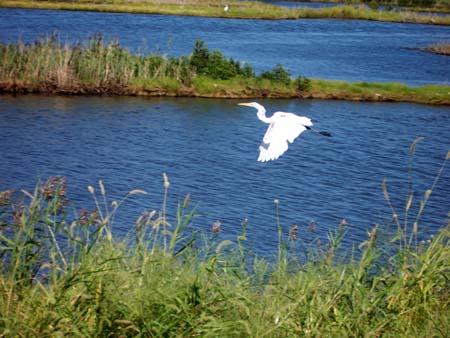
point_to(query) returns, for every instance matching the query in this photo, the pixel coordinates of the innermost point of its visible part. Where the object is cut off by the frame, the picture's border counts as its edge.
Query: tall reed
(72, 275)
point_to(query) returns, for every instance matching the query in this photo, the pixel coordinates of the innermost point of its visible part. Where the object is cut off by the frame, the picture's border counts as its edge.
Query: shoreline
(251, 10)
(337, 90)
(98, 67)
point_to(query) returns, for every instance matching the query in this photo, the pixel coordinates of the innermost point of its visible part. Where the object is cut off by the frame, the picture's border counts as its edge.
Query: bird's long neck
(261, 113)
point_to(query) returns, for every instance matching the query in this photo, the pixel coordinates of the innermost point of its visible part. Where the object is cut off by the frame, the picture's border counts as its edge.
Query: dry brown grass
(442, 48)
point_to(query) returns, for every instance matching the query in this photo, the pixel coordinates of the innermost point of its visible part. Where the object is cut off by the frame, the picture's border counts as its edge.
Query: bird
(225, 9)
(283, 128)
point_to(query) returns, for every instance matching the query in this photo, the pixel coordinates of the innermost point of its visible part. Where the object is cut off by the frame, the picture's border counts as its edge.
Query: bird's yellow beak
(244, 104)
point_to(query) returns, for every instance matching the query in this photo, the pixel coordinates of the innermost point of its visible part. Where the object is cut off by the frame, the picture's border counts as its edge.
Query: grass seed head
(166, 181)
(138, 192)
(412, 148)
(5, 197)
(216, 227)
(312, 226)
(293, 233)
(415, 228)
(102, 188)
(55, 186)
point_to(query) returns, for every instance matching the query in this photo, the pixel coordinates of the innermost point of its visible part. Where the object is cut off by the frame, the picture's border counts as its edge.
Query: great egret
(225, 9)
(283, 128)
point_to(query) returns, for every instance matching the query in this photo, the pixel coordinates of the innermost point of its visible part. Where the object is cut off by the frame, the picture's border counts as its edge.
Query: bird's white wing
(285, 127)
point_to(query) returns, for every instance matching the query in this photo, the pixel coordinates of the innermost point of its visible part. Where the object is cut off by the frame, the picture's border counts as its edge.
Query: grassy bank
(98, 67)
(365, 91)
(442, 48)
(431, 6)
(242, 10)
(67, 274)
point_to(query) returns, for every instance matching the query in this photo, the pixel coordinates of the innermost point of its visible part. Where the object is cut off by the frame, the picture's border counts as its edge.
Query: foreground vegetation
(64, 275)
(237, 9)
(98, 67)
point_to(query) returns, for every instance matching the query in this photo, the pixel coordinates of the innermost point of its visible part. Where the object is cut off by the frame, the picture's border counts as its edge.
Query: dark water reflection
(349, 50)
(208, 148)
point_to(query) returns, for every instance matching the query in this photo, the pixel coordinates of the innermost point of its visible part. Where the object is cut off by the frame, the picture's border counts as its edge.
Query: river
(351, 50)
(209, 147)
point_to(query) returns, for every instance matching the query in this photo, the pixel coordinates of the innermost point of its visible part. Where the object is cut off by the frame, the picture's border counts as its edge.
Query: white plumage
(283, 129)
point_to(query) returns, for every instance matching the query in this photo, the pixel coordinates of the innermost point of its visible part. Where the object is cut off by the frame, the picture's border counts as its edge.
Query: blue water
(330, 49)
(208, 148)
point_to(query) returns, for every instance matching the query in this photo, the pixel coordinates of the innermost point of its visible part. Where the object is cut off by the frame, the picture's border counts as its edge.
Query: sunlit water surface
(208, 148)
(351, 50)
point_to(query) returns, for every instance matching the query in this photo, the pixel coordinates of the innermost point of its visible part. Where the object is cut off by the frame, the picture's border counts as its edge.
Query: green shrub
(220, 68)
(215, 65)
(200, 57)
(302, 83)
(277, 74)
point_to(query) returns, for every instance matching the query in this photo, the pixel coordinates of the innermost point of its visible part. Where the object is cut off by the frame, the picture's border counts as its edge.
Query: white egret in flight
(283, 128)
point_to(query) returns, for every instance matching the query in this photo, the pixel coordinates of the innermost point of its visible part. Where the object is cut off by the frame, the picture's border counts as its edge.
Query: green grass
(104, 67)
(365, 91)
(66, 273)
(242, 10)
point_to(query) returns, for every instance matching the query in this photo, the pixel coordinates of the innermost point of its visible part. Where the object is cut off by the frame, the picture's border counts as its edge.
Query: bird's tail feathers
(320, 132)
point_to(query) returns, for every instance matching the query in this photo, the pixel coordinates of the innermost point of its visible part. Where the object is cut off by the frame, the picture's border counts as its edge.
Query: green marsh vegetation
(416, 5)
(442, 6)
(65, 272)
(96, 66)
(104, 67)
(237, 9)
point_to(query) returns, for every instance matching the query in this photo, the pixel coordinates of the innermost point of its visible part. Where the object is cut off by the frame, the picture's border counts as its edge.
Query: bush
(220, 68)
(200, 57)
(277, 74)
(215, 65)
(302, 83)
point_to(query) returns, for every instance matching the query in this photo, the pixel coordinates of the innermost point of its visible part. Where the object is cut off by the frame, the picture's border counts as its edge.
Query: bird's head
(255, 105)
(249, 104)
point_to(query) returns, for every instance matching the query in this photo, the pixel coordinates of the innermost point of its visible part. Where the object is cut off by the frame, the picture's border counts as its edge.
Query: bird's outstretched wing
(286, 127)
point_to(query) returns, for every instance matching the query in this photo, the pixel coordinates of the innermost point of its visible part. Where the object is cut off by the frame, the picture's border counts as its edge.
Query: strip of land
(236, 9)
(209, 88)
(96, 67)
(439, 48)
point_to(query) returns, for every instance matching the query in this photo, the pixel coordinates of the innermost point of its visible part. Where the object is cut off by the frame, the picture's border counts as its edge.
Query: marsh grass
(96, 67)
(63, 275)
(365, 91)
(237, 9)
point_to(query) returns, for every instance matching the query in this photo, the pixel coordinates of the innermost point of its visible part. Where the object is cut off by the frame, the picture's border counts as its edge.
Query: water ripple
(209, 149)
